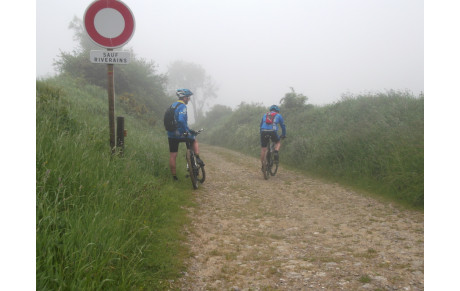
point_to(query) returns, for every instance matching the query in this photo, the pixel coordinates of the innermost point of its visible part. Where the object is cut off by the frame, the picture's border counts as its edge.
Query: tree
(80, 35)
(192, 76)
(142, 88)
(214, 116)
(217, 112)
(293, 101)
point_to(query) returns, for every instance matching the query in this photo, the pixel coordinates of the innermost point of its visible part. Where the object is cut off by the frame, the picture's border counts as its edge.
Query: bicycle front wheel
(200, 174)
(273, 168)
(191, 168)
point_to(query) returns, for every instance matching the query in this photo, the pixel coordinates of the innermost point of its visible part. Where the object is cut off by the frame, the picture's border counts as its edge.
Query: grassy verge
(103, 222)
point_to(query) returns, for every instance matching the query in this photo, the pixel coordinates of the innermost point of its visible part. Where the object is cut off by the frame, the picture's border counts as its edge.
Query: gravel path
(293, 232)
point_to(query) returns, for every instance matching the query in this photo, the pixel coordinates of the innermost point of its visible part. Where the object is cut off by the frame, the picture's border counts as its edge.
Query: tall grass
(103, 222)
(373, 141)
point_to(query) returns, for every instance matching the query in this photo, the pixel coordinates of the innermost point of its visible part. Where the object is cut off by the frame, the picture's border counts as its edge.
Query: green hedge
(374, 141)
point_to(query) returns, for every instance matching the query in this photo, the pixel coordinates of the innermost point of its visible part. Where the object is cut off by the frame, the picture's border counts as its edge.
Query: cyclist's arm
(283, 126)
(182, 118)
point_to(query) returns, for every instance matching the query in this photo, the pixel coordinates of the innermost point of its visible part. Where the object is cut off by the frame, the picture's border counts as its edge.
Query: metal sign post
(111, 96)
(109, 24)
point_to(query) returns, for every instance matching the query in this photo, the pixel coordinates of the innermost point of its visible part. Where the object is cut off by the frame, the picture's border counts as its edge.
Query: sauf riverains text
(111, 57)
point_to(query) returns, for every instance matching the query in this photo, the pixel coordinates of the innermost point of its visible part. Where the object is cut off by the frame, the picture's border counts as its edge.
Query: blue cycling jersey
(181, 118)
(273, 127)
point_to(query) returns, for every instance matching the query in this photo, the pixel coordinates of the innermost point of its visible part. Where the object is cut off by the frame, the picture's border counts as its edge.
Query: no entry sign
(109, 23)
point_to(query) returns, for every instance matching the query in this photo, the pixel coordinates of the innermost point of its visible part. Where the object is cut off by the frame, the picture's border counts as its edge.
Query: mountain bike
(269, 166)
(195, 170)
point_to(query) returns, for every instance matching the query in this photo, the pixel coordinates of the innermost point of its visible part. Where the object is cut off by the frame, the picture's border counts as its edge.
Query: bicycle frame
(269, 168)
(196, 172)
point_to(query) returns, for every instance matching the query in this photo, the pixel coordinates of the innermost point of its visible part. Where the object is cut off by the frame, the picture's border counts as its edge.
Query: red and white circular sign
(109, 23)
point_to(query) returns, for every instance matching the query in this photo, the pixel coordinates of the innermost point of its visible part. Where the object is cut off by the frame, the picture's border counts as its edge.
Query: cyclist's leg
(263, 152)
(263, 146)
(195, 146)
(278, 145)
(172, 163)
(277, 140)
(173, 149)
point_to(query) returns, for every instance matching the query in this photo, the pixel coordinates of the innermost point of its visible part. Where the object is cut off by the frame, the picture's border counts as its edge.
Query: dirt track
(293, 232)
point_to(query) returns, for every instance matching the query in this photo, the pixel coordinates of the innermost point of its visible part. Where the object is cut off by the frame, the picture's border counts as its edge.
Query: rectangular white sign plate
(110, 57)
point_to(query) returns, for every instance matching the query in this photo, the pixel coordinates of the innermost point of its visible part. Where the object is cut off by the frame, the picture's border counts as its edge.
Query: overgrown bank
(102, 222)
(106, 223)
(374, 142)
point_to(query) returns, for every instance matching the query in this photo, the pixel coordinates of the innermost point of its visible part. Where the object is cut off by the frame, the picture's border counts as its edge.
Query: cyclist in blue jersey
(269, 127)
(183, 132)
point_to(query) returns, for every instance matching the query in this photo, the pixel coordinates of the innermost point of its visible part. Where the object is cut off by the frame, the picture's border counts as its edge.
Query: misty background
(256, 50)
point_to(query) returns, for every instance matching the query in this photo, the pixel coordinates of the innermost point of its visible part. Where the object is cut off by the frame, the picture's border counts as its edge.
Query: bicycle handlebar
(193, 132)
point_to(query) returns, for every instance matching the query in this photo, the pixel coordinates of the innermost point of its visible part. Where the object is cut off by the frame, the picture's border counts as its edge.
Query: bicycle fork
(193, 160)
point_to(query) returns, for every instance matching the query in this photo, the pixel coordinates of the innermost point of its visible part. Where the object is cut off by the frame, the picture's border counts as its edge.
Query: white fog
(256, 50)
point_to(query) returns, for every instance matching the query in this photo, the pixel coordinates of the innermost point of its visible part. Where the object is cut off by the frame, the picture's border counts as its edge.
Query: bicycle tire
(273, 169)
(273, 166)
(265, 167)
(200, 174)
(191, 162)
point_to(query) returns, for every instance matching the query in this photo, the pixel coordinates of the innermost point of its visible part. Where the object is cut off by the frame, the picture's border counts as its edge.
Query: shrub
(373, 141)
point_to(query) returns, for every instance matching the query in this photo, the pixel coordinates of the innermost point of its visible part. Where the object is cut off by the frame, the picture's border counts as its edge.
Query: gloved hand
(283, 137)
(193, 132)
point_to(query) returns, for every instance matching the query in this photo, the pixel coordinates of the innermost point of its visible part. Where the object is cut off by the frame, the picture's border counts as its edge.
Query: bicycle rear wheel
(273, 165)
(191, 168)
(265, 166)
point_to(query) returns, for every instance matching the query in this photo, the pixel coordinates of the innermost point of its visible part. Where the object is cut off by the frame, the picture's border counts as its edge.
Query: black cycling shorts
(272, 134)
(174, 143)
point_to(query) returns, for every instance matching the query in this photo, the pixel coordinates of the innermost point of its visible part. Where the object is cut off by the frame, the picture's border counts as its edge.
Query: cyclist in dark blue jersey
(183, 132)
(269, 127)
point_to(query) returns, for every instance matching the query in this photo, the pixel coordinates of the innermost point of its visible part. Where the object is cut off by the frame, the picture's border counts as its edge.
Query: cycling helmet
(181, 93)
(275, 108)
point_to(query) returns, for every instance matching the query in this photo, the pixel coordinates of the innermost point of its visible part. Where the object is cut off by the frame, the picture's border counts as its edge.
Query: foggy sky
(255, 50)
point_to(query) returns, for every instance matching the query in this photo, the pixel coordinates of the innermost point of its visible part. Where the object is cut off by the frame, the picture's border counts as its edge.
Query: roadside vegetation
(373, 142)
(103, 222)
(107, 222)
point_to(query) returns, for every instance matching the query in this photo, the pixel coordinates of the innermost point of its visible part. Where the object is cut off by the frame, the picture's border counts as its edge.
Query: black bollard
(120, 134)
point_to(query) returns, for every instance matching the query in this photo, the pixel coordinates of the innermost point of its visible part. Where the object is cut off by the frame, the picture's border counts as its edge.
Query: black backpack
(170, 119)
